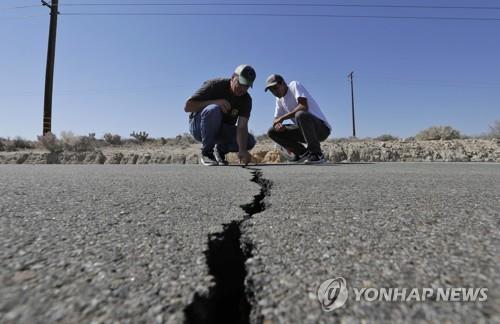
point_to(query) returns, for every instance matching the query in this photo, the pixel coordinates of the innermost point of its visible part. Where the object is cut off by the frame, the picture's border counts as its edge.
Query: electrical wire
(22, 7)
(278, 4)
(492, 19)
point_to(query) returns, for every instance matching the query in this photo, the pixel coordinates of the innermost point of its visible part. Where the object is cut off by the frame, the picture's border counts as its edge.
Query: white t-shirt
(290, 101)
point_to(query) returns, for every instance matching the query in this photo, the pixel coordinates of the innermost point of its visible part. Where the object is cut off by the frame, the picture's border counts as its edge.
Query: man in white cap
(219, 114)
(309, 126)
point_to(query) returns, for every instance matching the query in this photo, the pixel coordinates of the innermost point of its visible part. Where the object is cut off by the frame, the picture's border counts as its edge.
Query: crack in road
(227, 301)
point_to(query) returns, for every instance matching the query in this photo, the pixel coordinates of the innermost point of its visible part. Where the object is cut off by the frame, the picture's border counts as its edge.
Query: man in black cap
(219, 113)
(310, 126)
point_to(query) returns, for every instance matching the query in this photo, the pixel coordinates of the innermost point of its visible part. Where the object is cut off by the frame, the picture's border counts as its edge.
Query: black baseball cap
(273, 80)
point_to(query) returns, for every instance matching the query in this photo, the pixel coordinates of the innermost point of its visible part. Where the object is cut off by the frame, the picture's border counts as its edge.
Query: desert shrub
(263, 138)
(495, 130)
(343, 139)
(21, 143)
(140, 137)
(11, 145)
(438, 133)
(112, 139)
(50, 142)
(387, 138)
(185, 139)
(76, 143)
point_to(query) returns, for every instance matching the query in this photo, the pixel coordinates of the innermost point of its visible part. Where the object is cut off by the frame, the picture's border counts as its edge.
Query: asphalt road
(132, 244)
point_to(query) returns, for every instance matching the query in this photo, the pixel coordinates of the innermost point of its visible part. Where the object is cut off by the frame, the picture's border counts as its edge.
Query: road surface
(174, 244)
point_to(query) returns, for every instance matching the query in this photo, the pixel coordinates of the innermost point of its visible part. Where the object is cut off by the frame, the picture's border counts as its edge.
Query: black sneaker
(220, 157)
(208, 159)
(315, 158)
(300, 158)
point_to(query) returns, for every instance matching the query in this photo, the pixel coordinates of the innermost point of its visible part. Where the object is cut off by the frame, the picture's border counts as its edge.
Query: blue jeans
(207, 127)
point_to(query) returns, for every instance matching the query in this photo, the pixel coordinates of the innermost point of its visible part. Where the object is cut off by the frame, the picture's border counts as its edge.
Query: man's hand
(245, 157)
(278, 120)
(279, 127)
(224, 105)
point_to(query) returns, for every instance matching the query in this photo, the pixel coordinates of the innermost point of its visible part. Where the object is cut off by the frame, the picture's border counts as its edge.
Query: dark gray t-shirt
(220, 89)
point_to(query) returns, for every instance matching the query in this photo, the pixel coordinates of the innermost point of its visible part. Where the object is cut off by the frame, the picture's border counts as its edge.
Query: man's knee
(302, 115)
(271, 132)
(212, 111)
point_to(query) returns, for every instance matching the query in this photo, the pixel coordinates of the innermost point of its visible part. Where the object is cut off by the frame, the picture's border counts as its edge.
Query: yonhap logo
(333, 294)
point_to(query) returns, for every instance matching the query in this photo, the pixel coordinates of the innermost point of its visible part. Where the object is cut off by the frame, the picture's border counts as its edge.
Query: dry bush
(184, 140)
(495, 130)
(112, 139)
(11, 145)
(140, 137)
(21, 143)
(263, 138)
(76, 143)
(50, 142)
(344, 139)
(438, 133)
(387, 138)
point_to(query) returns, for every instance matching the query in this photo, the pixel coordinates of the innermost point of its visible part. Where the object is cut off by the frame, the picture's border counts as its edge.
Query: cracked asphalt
(106, 244)
(412, 225)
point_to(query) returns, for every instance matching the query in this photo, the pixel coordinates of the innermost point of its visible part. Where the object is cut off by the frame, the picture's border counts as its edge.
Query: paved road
(132, 243)
(102, 243)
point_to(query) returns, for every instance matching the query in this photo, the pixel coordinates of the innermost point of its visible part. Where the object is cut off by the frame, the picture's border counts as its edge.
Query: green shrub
(438, 133)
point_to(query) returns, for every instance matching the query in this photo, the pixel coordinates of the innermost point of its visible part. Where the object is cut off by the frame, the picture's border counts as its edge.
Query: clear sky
(121, 74)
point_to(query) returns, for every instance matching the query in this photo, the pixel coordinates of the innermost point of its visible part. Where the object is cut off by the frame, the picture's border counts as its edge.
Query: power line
(227, 4)
(279, 15)
(23, 17)
(22, 7)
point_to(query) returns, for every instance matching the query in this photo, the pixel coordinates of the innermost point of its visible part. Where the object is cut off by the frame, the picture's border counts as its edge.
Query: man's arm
(242, 139)
(302, 106)
(196, 106)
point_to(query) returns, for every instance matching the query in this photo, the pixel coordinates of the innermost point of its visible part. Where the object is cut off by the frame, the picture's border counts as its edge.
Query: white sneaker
(208, 159)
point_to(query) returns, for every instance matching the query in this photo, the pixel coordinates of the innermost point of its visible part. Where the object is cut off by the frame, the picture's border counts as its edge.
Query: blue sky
(121, 74)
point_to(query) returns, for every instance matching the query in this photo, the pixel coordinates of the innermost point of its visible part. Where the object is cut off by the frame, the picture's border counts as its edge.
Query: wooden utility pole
(49, 75)
(351, 77)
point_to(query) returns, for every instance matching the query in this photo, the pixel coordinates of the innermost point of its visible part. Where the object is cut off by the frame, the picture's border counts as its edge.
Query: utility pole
(351, 77)
(49, 75)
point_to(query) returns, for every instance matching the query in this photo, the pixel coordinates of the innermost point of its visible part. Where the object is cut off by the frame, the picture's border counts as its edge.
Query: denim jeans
(207, 127)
